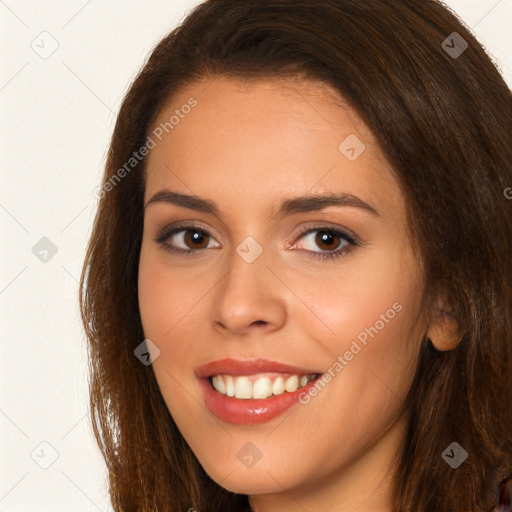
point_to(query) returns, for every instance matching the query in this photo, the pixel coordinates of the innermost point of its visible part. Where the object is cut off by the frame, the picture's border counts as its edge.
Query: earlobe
(444, 330)
(444, 333)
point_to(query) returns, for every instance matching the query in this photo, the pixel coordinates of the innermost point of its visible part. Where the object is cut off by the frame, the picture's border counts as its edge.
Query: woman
(298, 284)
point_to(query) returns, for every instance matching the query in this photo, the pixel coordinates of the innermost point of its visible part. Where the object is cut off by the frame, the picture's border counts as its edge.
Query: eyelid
(327, 226)
(184, 225)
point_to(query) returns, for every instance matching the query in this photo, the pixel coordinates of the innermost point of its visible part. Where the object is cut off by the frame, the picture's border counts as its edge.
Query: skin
(247, 146)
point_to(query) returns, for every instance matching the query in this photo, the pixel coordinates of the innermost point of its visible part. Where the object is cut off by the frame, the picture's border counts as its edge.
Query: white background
(57, 117)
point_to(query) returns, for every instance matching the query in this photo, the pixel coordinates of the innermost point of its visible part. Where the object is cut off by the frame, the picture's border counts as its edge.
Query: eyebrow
(301, 204)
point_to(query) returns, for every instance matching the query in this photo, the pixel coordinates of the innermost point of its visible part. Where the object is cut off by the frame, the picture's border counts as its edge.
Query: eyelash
(168, 231)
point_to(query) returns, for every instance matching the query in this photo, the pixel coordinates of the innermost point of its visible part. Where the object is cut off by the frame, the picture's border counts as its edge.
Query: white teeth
(278, 386)
(292, 383)
(262, 387)
(243, 388)
(230, 385)
(219, 384)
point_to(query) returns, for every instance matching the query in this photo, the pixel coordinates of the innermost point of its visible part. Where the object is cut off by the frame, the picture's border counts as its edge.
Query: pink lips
(248, 411)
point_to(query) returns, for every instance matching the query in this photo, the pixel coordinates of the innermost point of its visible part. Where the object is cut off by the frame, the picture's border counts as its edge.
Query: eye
(327, 239)
(192, 238)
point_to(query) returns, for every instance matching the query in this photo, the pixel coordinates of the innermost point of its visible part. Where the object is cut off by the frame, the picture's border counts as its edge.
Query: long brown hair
(442, 115)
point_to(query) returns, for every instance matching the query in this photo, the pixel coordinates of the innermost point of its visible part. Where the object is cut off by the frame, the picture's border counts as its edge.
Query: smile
(252, 391)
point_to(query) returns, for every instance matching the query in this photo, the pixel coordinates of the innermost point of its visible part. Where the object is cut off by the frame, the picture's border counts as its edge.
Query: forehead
(249, 143)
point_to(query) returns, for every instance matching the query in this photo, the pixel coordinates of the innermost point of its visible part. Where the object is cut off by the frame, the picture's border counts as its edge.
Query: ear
(444, 330)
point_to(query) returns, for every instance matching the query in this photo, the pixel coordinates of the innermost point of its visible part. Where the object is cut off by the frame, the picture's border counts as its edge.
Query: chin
(251, 482)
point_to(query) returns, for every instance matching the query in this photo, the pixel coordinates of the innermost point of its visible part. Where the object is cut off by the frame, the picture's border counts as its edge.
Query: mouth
(252, 391)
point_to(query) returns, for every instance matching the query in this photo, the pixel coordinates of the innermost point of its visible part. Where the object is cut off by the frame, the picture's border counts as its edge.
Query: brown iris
(195, 238)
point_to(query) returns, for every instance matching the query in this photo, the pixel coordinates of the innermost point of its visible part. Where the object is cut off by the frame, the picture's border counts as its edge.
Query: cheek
(369, 318)
(375, 295)
(164, 300)
(155, 299)
(170, 309)
(166, 296)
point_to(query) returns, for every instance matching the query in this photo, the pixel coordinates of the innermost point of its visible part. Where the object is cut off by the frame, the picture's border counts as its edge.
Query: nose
(248, 298)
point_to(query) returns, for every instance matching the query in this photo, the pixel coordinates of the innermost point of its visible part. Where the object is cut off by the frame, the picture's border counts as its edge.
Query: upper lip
(248, 367)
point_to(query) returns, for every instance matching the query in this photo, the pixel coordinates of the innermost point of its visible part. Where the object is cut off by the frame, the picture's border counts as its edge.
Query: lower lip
(249, 411)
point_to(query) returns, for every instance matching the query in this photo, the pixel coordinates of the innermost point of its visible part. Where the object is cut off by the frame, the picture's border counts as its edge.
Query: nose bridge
(250, 250)
(248, 270)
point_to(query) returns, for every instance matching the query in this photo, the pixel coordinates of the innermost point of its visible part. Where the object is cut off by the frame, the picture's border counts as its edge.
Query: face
(270, 291)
